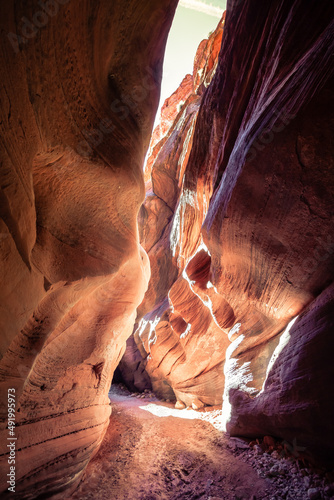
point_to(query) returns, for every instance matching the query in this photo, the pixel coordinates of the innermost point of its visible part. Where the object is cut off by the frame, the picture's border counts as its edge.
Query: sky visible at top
(193, 21)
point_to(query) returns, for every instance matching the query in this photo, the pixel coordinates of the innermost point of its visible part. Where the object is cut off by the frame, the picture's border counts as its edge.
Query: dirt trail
(169, 457)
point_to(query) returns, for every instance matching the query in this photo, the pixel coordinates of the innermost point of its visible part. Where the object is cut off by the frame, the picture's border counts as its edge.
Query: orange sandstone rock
(250, 238)
(80, 87)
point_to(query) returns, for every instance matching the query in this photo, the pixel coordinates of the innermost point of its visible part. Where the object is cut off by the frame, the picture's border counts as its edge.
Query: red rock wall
(238, 223)
(180, 361)
(80, 86)
(244, 179)
(270, 220)
(294, 403)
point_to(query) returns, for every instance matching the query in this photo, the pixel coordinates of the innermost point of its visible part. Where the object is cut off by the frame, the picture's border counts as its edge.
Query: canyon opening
(167, 297)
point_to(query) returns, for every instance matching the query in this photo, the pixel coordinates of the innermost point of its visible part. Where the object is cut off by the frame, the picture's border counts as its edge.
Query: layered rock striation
(238, 225)
(180, 334)
(80, 87)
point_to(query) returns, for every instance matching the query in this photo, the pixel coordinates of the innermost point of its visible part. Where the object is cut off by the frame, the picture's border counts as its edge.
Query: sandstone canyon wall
(237, 223)
(80, 87)
(238, 226)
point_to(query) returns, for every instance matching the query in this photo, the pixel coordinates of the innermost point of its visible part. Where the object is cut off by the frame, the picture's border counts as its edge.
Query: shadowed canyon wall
(80, 87)
(238, 226)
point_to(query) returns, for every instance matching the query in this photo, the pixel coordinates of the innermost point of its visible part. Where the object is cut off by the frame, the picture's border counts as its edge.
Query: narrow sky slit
(193, 21)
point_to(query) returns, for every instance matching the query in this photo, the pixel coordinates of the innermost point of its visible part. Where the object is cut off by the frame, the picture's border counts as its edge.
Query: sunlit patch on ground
(211, 415)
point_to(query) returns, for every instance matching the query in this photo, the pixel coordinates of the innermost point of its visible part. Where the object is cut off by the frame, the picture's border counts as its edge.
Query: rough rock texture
(244, 179)
(191, 458)
(169, 112)
(185, 456)
(80, 86)
(205, 63)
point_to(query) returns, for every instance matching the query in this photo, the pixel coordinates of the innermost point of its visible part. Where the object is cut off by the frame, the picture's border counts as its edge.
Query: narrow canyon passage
(193, 260)
(151, 453)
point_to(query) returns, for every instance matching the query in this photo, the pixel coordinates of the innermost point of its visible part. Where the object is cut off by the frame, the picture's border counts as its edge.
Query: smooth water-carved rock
(293, 403)
(80, 87)
(180, 359)
(237, 224)
(250, 238)
(269, 219)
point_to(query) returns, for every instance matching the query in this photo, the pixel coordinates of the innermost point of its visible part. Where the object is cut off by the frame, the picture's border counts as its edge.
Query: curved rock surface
(244, 179)
(237, 224)
(179, 360)
(80, 87)
(293, 403)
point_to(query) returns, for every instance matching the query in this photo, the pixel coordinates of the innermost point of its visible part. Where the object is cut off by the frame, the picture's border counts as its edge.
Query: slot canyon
(167, 290)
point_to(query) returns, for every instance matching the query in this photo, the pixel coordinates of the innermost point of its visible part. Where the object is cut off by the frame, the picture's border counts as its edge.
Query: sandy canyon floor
(152, 451)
